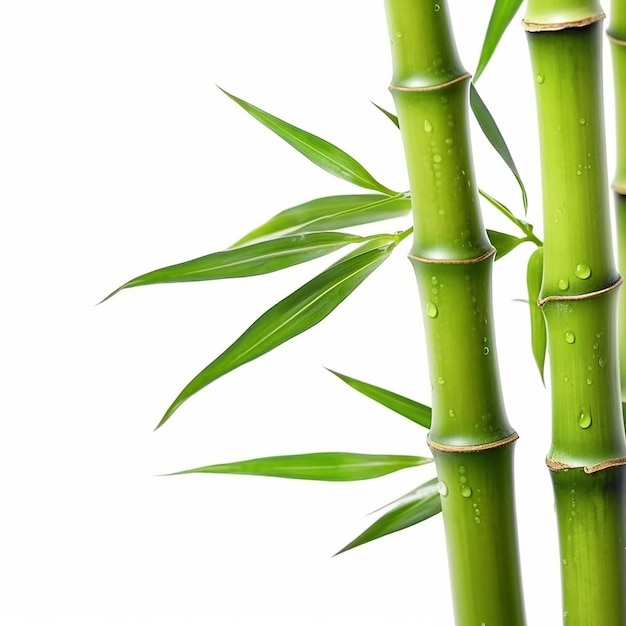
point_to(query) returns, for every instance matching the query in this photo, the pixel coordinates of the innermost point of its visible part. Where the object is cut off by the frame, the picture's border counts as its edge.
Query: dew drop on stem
(570, 337)
(583, 271)
(432, 310)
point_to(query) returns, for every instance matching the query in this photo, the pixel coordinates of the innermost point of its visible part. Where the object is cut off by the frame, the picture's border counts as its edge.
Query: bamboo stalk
(471, 438)
(579, 300)
(617, 37)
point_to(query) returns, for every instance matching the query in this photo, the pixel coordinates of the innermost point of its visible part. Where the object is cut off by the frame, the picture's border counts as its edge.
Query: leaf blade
(503, 242)
(416, 412)
(538, 333)
(492, 132)
(326, 466)
(331, 213)
(299, 311)
(501, 16)
(321, 152)
(252, 260)
(413, 508)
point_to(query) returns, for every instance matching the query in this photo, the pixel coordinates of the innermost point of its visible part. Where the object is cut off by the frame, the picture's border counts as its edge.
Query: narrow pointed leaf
(411, 509)
(493, 134)
(389, 115)
(331, 213)
(503, 243)
(537, 322)
(324, 154)
(501, 16)
(298, 312)
(252, 260)
(329, 466)
(416, 412)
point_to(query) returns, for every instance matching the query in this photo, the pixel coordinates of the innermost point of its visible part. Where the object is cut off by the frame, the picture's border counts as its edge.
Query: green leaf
(493, 134)
(331, 213)
(416, 412)
(537, 322)
(413, 508)
(501, 16)
(298, 312)
(390, 116)
(503, 243)
(252, 260)
(318, 150)
(330, 466)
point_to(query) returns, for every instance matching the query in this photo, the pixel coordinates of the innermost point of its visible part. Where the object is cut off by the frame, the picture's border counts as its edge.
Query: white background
(118, 155)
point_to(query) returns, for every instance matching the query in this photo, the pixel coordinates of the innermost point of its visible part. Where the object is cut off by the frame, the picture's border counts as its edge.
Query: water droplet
(602, 361)
(437, 7)
(432, 310)
(462, 469)
(540, 78)
(442, 488)
(434, 291)
(584, 419)
(582, 121)
(566, 378)
(564, 284)
(434, 280)
(428, 127)
(437, 158)
(441, 380)
(477, 520)
(595, 345)
(466, 491)
(565, 563)
(589, 381)
(451, 413)
(578, 173)
(449, 141)
(485, 350)
(399, 35)
(570, 337)
(463, 479)
(565, 614)
(582, 271)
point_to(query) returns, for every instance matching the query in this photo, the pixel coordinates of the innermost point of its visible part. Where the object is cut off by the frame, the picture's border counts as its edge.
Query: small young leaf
(416, 412)
(331, 213)
(493, 134)
(537, 323)
(252, 260)
(329, 466)
(298, 312)
(501, 16)
(391, 116)
(414, 507)
(318, 150)
(503, 243)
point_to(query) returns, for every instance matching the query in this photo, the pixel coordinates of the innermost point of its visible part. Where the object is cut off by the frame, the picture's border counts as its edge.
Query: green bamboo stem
(579, 301)
(471, 438)
(617, 37)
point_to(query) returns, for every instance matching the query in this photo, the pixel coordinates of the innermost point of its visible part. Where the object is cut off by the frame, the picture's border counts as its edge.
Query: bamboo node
(591, 469)
(481, 447)
(615, 40)
(558, 466)
(471, 261)
(448, 83)
(581, 296)
(538, 27)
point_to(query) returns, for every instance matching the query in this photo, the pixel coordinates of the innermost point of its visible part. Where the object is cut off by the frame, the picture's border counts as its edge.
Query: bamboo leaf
(416, 412)
(252, 260)
(329, 466)
(493, 134)
(331, 213)
(503, 243)
(324, 154)
(411, 509)
(298, 312)
(389, 115)
(537, 322)
(501, 16)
